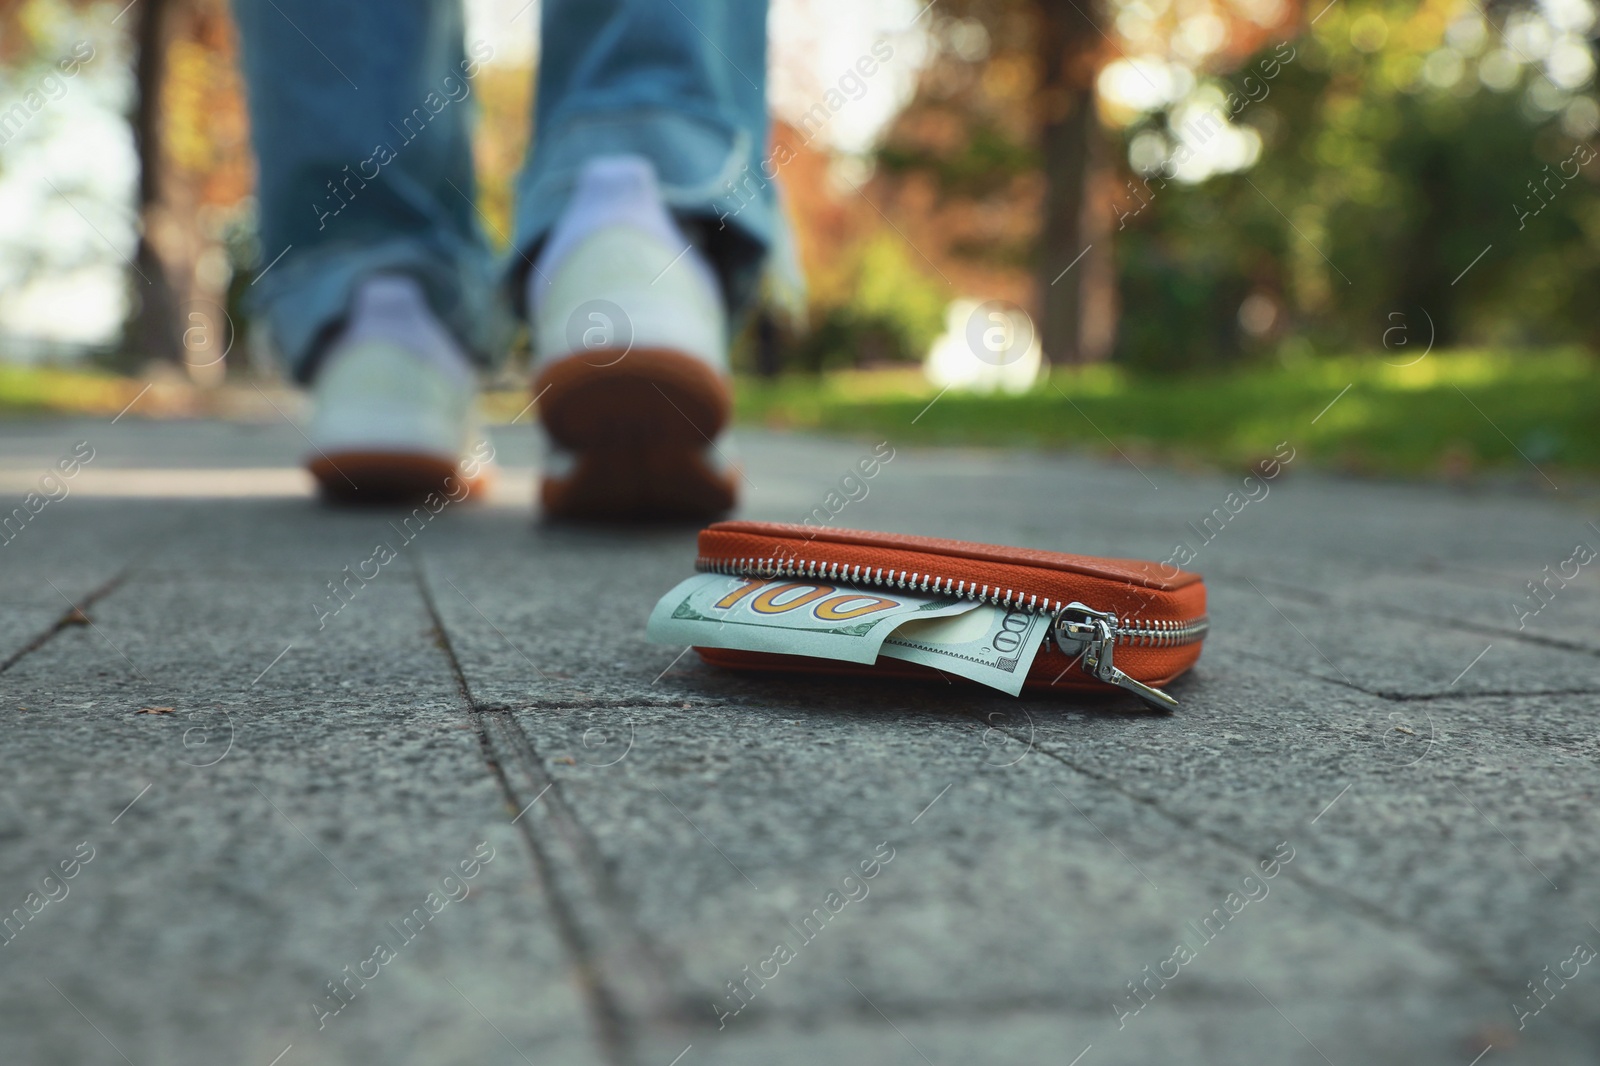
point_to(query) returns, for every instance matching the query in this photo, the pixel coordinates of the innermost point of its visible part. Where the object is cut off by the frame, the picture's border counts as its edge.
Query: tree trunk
(1069, 130)
(153, 331)
(1427, 285)
(1098, 305)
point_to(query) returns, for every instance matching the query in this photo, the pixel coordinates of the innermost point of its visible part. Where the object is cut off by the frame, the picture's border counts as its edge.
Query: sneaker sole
(637, 423)
(384, 478)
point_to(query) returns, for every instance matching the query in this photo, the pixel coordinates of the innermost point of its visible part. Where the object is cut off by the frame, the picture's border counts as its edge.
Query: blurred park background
(1167, 227)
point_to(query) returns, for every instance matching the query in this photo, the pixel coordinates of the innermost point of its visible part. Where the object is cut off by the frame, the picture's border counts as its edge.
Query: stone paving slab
(1383, 653)
(1471, 601)
(659, 825)
(1391, 1028)
(286, 818)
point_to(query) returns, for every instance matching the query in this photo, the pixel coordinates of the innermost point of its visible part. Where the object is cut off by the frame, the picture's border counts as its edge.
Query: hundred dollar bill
(990, 645)
(794, 617)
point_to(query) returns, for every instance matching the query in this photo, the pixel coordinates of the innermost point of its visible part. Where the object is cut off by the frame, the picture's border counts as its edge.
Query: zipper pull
(1081, 630)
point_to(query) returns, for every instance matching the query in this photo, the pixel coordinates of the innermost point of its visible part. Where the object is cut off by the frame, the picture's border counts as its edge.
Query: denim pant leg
(680, 82)
(360, 116)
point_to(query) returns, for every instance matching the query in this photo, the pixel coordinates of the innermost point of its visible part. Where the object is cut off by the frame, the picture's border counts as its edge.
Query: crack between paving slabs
(580, 703)
(1322, 599)
(1464, 955)
(1415, 697)
(68, 618)
(1405, 697)
(618, 1005)
(969, 1010)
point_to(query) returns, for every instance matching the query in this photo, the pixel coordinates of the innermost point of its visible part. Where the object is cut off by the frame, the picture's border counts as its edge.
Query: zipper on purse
(1079, 630)
(1082, 631)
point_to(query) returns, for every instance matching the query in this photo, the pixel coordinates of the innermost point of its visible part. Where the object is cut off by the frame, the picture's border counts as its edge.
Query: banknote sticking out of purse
(781, 597)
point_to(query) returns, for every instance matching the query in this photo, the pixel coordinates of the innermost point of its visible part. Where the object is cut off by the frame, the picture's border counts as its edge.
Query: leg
(378, 287)
(636, 246)
(681, 83)
(360, 127)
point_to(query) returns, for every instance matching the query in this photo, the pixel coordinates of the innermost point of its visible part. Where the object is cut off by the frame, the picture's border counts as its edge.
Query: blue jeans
(360, 115)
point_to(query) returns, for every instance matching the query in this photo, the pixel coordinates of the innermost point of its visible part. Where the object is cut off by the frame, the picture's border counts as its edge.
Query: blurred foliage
(207, 130)
(891, 312)
(1388, 164)
(893, 308)
(505, 106)
(945, 205)
(980, 164)
(1450, 414)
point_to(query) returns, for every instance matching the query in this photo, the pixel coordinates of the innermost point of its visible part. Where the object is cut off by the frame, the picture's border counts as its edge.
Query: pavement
(462, 812)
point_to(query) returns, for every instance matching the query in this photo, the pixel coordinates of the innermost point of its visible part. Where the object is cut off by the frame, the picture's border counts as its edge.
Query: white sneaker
(631, 368)
(393, 404)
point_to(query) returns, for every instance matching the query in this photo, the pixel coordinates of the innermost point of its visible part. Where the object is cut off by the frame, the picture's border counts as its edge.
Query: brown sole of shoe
(603, 399)
(622, 484)
(389, 478)
(638, 424)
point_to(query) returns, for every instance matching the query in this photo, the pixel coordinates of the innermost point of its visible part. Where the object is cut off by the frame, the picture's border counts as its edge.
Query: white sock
(612, 190)
(393, 308)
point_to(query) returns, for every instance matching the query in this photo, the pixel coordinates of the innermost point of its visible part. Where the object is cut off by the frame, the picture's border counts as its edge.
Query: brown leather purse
(1116, 622)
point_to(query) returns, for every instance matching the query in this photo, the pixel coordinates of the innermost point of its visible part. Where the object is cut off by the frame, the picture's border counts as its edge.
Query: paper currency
(990, 645)
(979, 641)
(794, 617)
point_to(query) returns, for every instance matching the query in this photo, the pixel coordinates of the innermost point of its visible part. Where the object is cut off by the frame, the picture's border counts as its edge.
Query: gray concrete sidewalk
(473, 817)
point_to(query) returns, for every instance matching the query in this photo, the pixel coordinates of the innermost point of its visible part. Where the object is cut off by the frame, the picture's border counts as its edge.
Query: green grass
(32, 389)
(1448, 414)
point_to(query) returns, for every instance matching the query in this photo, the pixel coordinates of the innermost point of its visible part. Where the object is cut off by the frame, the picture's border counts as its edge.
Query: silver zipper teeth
(1149, 633)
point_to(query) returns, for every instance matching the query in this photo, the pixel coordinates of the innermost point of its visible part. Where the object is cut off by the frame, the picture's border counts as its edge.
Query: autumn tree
(1072, 152)
(192, 137)
(1004, 136)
